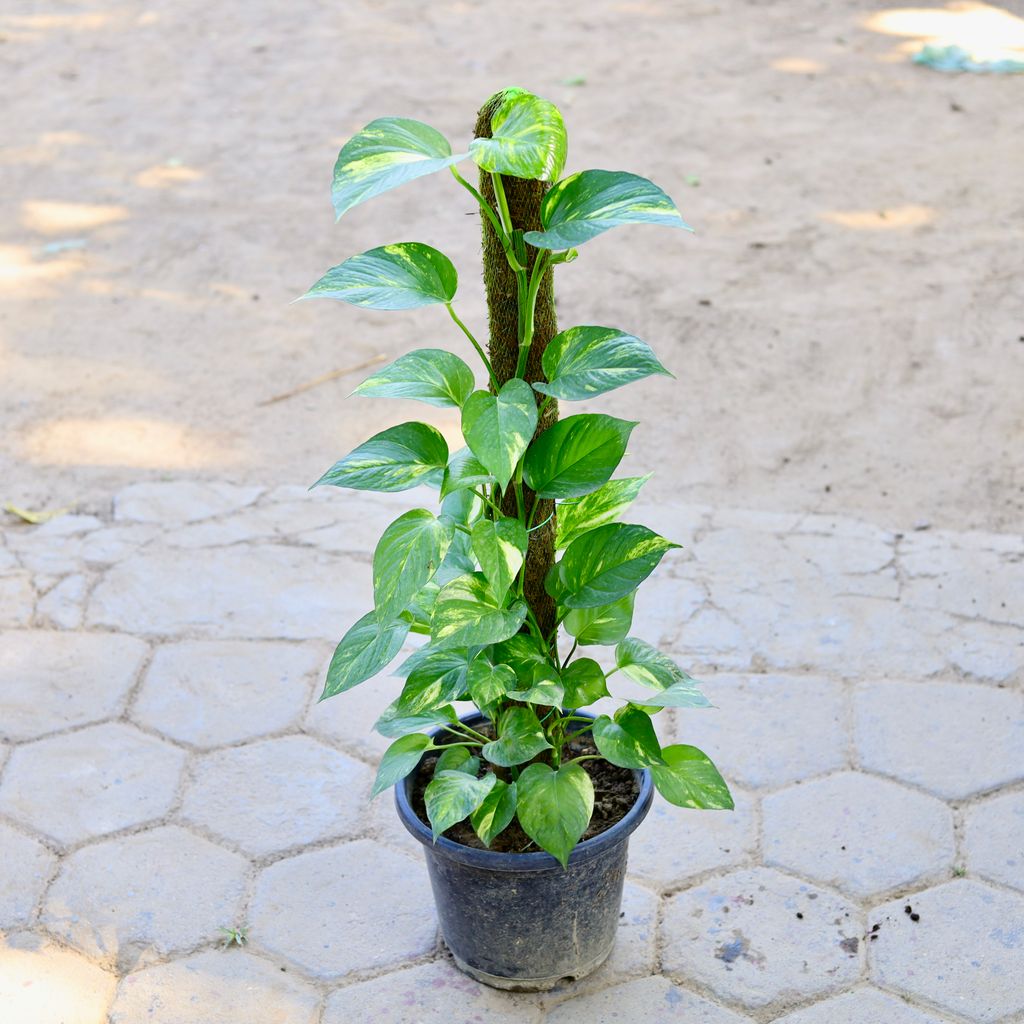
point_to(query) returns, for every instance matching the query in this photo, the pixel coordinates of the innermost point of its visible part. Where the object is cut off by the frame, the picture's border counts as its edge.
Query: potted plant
(524, 806)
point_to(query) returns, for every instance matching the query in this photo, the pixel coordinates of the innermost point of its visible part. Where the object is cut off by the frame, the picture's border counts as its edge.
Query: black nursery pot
(519, 921)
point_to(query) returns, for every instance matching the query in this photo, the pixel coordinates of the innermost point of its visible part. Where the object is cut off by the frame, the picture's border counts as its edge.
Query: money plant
(523, 554)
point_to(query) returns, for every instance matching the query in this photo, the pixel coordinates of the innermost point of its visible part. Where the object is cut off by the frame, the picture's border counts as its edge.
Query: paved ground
(165, 773)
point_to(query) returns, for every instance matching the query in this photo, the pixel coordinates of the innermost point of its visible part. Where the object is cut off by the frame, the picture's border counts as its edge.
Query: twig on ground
(326, 378)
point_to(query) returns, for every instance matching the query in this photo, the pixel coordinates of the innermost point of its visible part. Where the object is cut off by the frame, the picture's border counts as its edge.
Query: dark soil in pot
(615, 791)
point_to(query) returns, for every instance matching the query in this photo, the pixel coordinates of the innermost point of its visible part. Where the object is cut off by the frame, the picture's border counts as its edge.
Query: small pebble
(915, 917)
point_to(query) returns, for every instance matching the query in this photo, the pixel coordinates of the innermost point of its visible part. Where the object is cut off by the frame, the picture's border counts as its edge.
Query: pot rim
(521, 862)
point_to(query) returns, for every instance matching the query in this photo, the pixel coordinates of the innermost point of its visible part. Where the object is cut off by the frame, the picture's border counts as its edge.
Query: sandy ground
(847, 325)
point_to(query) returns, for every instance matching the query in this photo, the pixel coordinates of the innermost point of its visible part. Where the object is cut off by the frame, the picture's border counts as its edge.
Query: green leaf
(678, 695)
(608, 563)
(689, 779)
(388, 152)
(628, 740)
(527, 139)
(648, 666)
(421, 607)
(500, 548)
(554, 807)
(602, 506)
(584, 683)
(576, 455)
(408, 554)
(393, 460)
(452, 796)
(586, 361)
(464, 471)
(545, 687)
(457, 759)
(364, 650)
(498, 428)
(522, 653)
(489, 683)
(495, 814)
(394, 723)
(605, 625)
(429, 375)
(467, 612)
(520, 738)
(439, 678)
(585, 204)
(399, 759)
(400, 276)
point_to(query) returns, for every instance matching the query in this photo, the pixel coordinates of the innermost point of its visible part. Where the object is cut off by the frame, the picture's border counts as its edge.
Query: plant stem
(466, 331)
(572, 651)
(586, 757)
(540, 266)
(467, 731)
(506, 242)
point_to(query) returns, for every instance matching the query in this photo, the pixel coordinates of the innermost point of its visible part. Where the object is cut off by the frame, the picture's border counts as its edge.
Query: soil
(615, 791)
(845, 325)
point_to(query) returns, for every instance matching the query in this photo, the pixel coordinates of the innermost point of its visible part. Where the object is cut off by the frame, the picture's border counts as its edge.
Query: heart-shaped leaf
(399, 276)
(388, 152)
(689, 779)
(628, 740)
(520, 738)
(467, 612)
(588, 203)
(605, 625)
(393, 460)
(586, 361)
(437, 680)
(464, 472)
(498, 427)
(678, 695)
(544, 687)
(496, 812)
(528, 139)
(408, 554)
(363, 651)
(394, 723)
(399, 759)
(500, 548)
(602, 506)
(457, 759)
(647, 665)
(428, 375)
(489, 683)
(608, 563)
(576, 455)
(554, 807)
(584, 683)
(452, 796)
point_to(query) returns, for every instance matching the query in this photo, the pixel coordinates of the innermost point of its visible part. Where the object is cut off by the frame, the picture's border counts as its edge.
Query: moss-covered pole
(524, 198)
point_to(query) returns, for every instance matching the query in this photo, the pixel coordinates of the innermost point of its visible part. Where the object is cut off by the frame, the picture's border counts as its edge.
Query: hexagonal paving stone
(348, 718)
(964, 954)
(210, 693)
(862, 834)
(276, 794)
(431, 992)
(43, 984)
(740, 936)
(181, 501)
(652, 1000)
(676, 843)
(51, 680)
(215, 987)
(356, 907)
(862, 1006)
(98, 780)
(769, 730)
(27, 866)
(154, 892)
(994, 839)
(932, 733)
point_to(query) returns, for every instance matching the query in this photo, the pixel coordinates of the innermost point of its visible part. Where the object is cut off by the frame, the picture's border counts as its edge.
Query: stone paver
(862, 1006)
(431, 992)
(27, 867)
(271, 795)
(859, 833)
(740, 936)
(795, 723)
(348, 718)
(654, 1000)
(63, 606)
(963, 954)
(677, 843)
(149, 894)
(51, 680)
(208, 693)
(41, 983)
(952, 739)
(98, 780)
(215, 987)
(181, 501)
(994, 839)
(320, 910)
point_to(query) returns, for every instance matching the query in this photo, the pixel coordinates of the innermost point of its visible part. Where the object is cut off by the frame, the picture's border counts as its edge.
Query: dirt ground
(846, 326)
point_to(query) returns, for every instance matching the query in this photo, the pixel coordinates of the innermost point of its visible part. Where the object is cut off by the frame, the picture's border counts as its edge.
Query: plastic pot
(519, 921)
